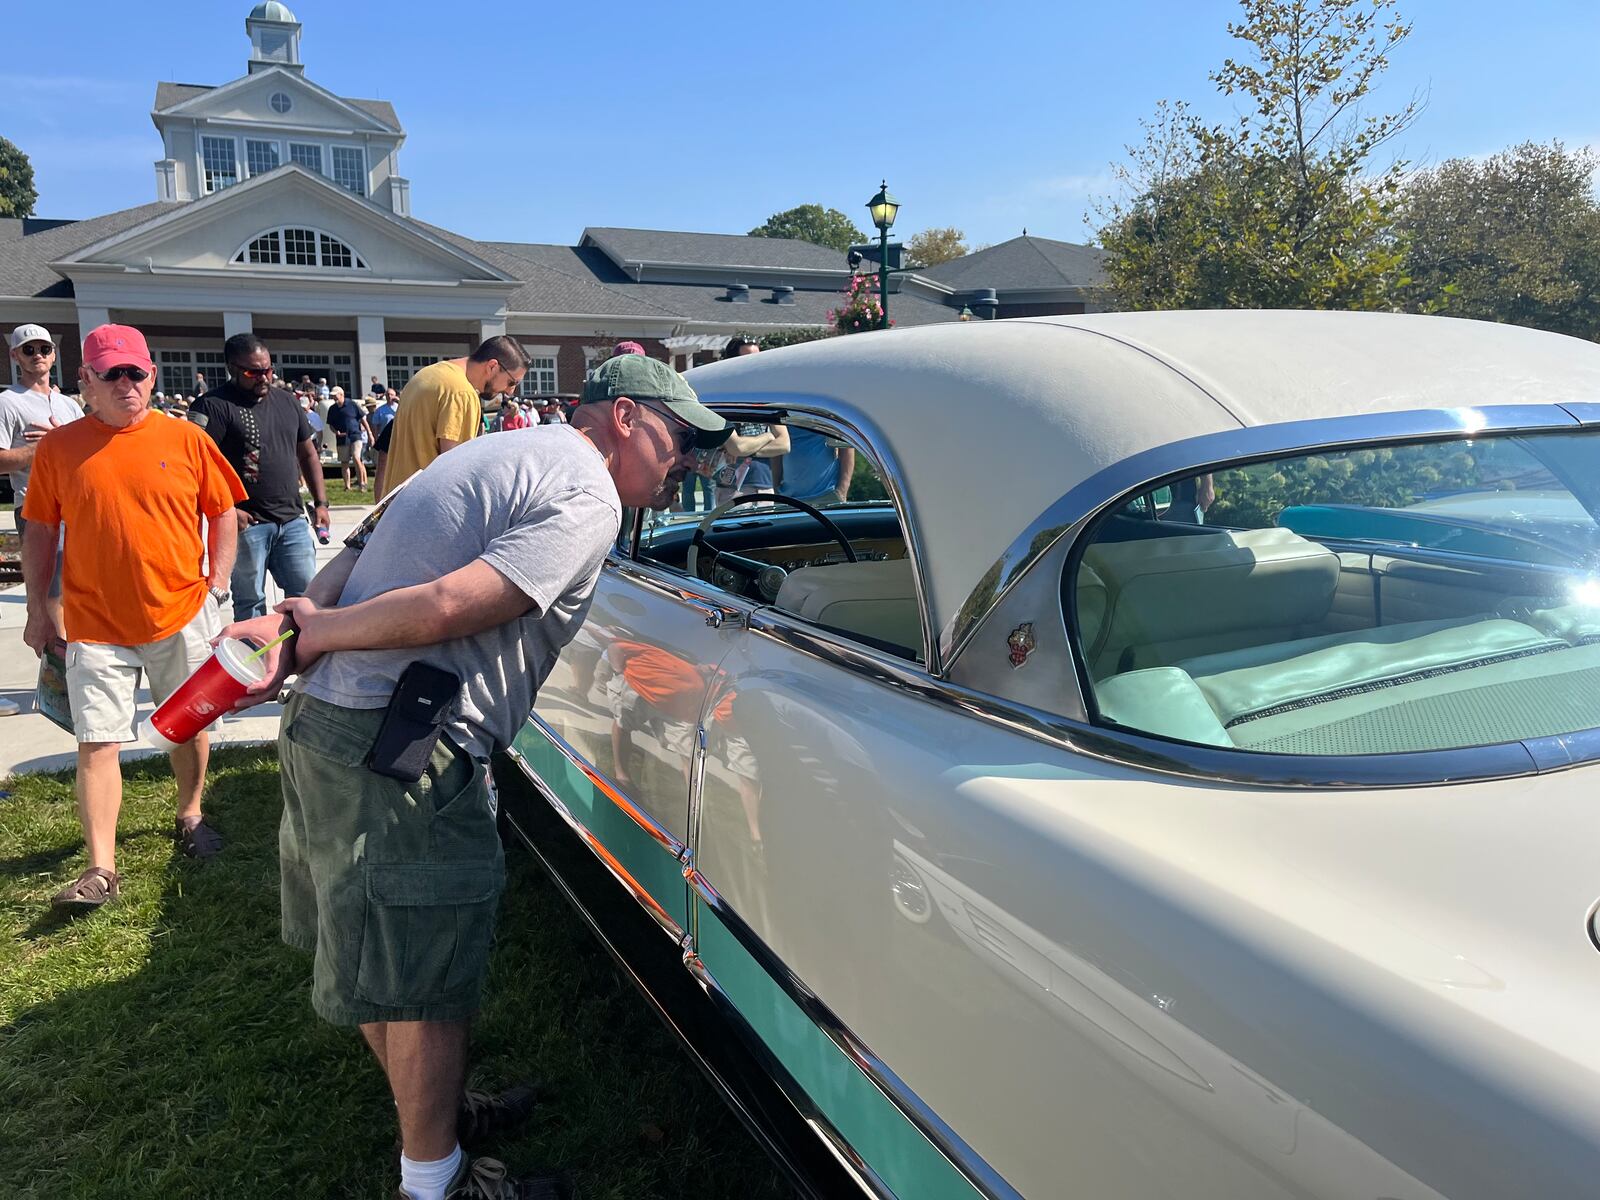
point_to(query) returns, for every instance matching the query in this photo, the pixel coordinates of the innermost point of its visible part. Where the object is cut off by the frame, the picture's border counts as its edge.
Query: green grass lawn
(339, 494)
(165, 1045)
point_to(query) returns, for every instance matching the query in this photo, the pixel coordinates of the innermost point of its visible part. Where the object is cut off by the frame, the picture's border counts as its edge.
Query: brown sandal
(88, 891)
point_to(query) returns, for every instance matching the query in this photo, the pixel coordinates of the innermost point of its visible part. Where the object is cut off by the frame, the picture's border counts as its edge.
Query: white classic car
(1175, 785)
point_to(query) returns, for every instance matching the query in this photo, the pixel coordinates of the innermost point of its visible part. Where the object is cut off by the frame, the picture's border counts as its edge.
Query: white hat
(30, 333)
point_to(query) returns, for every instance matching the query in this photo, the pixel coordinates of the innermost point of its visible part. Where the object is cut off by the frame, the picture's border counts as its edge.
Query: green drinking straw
(279, 640)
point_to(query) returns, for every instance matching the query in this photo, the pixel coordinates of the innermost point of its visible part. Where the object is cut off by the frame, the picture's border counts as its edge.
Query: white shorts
(102, 680)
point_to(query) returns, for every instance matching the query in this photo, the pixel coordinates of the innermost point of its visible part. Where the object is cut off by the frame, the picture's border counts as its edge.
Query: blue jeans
(285, 550)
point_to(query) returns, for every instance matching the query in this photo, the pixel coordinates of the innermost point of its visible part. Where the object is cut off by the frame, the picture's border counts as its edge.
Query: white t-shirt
(21, 407)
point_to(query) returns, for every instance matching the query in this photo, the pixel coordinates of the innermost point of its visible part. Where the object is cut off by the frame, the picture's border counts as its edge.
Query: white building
(280, 208)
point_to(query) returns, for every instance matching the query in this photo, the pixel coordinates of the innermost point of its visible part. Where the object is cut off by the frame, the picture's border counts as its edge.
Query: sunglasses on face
(254, 373)
(38, 350)
(686, 432)
(136, 374)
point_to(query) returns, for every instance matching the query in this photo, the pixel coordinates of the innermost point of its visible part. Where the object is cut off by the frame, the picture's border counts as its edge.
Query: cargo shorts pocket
(426, 936)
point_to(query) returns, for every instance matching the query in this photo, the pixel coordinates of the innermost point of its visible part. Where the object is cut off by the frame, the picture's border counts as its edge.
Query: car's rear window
(1364, 600)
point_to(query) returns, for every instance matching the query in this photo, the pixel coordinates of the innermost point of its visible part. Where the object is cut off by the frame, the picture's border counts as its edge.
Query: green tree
(1513, 238)
(17, 194)
(1284, 207)
(934, 246)
(812, 223)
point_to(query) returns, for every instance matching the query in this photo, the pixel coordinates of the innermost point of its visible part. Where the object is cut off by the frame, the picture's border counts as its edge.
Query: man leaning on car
(472, 575)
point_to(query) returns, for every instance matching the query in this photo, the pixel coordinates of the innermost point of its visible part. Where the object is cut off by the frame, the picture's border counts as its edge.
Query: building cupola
(274, 38)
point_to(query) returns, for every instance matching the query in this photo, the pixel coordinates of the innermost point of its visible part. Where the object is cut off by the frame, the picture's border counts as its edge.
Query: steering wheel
(768, 577)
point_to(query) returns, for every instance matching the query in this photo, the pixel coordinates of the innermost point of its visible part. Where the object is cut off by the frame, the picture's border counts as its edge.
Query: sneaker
(88, 891)
(197, 839)
(484, 1114)
(489, 1179)
(8, 708)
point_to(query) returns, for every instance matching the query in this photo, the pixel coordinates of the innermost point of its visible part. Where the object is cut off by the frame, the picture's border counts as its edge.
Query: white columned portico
(689, 344)
(237, 322)
(371, 352)
(91, 316)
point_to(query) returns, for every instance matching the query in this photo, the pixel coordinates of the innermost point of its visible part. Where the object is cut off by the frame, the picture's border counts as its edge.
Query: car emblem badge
(1021, 643)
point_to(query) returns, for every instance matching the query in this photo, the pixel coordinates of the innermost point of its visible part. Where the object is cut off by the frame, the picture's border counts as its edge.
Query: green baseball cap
(641, 378)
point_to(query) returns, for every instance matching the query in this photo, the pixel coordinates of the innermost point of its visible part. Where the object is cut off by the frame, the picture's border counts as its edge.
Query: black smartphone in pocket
(424, 699)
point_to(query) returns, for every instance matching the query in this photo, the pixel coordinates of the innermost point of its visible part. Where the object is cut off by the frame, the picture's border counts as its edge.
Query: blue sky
(533, 120)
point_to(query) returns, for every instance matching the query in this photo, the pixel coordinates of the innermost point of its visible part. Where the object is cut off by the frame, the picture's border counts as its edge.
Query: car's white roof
(993, 421)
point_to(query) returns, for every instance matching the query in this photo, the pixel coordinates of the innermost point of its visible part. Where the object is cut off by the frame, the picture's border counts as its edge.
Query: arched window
(297, 246)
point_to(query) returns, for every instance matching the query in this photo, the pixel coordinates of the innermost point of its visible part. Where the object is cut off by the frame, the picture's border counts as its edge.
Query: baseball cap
(639, 377)
(29, 333)
(116, 346)
(626, 348)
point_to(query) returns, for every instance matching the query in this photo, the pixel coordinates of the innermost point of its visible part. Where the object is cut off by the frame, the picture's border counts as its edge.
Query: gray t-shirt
(21, 407)
(538, 506)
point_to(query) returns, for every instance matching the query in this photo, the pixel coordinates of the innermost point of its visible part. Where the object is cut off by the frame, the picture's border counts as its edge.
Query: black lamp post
(883, 208)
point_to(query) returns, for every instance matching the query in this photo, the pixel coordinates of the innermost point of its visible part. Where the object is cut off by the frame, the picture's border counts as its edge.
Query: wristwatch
(220, 595)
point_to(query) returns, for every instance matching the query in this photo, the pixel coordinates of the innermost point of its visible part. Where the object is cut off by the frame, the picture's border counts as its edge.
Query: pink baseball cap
(116, 346)
(626, 348)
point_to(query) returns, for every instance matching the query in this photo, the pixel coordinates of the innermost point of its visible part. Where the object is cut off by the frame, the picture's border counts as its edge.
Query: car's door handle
(716, 615)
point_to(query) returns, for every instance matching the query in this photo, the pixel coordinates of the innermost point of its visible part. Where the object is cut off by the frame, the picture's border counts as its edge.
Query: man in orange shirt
(131, 491)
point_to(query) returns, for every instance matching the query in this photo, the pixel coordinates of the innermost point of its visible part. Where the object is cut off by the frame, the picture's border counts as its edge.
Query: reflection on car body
(1263, 873)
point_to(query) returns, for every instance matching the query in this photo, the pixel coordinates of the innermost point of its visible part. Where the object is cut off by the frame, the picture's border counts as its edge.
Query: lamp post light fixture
(884, 208)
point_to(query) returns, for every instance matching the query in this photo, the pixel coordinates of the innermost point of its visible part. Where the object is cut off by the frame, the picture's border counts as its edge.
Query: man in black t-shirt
(264, 435)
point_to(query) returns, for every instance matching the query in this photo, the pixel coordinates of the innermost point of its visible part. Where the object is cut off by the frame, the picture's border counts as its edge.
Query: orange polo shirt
(131, 500)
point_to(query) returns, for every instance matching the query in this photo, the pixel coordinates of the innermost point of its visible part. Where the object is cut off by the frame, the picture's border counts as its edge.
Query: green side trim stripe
(879, 1132)
(644, 858)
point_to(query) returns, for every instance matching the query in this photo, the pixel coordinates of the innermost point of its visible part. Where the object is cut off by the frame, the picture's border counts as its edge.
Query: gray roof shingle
(1023, 263)
(25, 258)
(712, 249)
(548, 288)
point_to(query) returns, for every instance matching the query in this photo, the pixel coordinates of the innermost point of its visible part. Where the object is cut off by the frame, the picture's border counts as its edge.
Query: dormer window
(297, 246)
(350, 169)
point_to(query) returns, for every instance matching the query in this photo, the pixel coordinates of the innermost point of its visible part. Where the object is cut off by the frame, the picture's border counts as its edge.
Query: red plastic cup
(205, 695)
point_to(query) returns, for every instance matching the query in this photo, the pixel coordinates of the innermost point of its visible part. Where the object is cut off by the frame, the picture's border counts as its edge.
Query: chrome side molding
(984, 1179)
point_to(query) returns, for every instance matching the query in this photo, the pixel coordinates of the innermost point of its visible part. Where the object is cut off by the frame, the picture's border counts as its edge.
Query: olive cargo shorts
(393, 886)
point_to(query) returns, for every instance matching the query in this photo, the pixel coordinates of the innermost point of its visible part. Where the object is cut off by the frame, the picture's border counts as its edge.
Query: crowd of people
(147, 540)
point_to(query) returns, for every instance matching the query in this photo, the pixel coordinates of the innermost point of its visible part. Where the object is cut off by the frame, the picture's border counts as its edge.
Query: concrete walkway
(29, 742)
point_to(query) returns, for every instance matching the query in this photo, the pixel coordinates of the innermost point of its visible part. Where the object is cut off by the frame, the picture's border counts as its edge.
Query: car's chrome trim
(984, 1178)
(851, 423)
(865, 1177)
(776, 1071)
(610, 790)
(1584, 414)
(1230, 447)
(697, 783)
(610, 861)
(1204, 764)
(868, 1180)
(674, 585)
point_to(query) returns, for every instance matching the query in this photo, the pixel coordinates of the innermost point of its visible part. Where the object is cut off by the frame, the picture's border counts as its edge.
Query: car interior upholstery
(1265, 640)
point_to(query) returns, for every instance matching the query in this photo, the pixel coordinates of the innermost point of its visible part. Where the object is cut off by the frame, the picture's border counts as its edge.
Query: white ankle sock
(427, 1180)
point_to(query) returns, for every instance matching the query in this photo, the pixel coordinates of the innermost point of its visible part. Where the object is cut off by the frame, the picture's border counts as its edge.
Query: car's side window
(812, 532)
(1364, 600)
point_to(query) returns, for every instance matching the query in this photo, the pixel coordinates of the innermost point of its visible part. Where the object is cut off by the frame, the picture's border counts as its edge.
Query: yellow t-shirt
(437, 403)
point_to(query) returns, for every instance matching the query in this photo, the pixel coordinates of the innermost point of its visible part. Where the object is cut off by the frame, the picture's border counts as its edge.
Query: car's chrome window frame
(845, 422)
(1069, 515)
(1223, 764)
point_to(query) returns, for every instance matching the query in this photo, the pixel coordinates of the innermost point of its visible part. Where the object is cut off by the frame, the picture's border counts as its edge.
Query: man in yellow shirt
(442, 405)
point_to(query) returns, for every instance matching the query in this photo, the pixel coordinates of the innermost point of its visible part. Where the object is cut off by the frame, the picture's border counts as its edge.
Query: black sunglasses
(686, 432)
(136, 374)
(38, 349)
